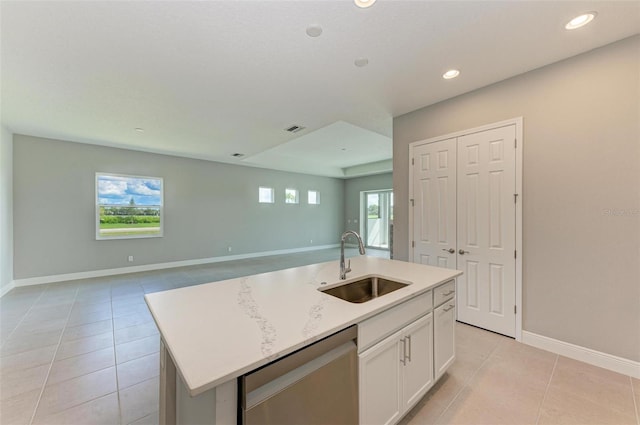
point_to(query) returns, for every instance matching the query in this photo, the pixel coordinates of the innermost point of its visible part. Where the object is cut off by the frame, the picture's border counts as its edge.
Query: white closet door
(434, 194)
(486, 229)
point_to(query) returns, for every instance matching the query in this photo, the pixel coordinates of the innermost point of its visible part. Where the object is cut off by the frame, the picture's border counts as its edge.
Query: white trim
(583, 354)
(159, 266)
(505, 123)
(409, 200)
(518, 122)
(520, 256)
(4, 291)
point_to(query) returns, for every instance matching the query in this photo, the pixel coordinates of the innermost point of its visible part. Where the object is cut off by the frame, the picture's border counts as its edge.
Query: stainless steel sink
(364, 290)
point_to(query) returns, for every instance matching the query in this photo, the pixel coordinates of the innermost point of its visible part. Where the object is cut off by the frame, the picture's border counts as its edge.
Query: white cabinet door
(486, 229)
(417, 373)
(444, 318)
(434, 208)
(396, 373)
(379, 378)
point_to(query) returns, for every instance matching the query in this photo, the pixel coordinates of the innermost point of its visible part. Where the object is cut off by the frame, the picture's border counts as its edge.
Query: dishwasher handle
(279, 367)
(272, 388)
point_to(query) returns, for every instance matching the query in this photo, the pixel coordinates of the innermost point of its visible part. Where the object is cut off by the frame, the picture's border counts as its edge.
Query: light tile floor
(86, 352)
(496, 380)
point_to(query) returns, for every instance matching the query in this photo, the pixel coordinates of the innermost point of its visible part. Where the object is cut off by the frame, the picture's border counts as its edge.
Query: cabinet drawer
(444, 292)
(386, 323)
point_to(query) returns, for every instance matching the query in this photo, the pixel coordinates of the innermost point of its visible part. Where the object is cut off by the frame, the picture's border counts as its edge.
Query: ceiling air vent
(294, 128)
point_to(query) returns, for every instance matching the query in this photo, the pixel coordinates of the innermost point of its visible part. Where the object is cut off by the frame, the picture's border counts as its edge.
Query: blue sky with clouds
(118, 190)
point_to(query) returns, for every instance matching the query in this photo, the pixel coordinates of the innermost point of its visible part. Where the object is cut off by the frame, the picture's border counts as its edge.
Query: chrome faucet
(344, 270)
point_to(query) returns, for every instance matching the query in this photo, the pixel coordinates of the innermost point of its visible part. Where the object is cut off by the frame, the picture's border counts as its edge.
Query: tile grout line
(138, 383)
(115, 358)
(464, 385)
(120, 415)
(73, 325)
(23, 317)
(144, 380)
(635, 403)
(35, 409)
(546, 390)
(144, 417)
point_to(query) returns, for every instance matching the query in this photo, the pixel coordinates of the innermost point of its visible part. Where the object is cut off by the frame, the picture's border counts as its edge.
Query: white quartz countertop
(218, 331)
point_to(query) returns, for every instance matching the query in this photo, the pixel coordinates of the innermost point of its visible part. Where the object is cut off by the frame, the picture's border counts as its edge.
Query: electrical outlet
(228, 249)
(311, 241)
(130, 259)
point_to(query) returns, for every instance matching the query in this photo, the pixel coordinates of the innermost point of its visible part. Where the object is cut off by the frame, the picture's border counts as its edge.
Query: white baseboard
(158, 266)
(583, 354)
(7, 288)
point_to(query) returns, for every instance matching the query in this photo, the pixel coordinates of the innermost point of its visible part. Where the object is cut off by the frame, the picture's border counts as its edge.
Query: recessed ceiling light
(580, 21)
(360, 62)
(452, 73)
(314, 31)
(139, 130)
(237, 155)
(364, 3)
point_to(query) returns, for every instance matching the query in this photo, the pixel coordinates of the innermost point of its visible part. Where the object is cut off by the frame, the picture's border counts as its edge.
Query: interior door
(486, 229)
(434, 209)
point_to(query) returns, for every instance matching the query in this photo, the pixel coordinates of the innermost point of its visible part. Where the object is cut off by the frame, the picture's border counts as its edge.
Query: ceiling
(208, 79)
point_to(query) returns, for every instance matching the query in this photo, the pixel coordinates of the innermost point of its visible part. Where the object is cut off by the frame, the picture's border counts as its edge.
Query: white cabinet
(444, 320)
(395, 373)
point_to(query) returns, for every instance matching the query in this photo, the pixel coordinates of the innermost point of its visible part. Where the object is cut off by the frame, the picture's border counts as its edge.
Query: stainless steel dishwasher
(315, 385)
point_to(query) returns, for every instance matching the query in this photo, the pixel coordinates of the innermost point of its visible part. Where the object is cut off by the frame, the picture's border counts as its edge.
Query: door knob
(462, 252)
(450, 250)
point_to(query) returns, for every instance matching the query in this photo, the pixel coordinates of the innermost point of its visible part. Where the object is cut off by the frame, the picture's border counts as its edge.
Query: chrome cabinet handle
(404, 352)
(462, 252)
(450, 250)
(450, 307)
(409, 356)
(453, 291)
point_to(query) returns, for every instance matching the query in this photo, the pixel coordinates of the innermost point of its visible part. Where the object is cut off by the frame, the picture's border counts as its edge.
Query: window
(128, 206)
(266, 195)
(373, 203)
(313, 197)
(290, 196)
(376, 213)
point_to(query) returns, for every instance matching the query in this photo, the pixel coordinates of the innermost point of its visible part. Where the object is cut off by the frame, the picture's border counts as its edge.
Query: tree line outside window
(128, 206)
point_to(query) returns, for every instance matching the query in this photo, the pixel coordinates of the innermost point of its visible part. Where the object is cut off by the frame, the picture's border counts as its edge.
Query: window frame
(273, 195)
(317, 192)
(297, 196)
(99, 237)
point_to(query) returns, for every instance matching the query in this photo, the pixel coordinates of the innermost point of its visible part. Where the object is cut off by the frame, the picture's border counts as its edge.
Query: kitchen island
(213, 333)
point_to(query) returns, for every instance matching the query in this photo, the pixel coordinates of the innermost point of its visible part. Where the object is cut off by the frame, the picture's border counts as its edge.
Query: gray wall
(352, 189)
(581, 272)
(6, 208)
(208, 206)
